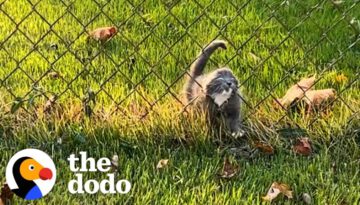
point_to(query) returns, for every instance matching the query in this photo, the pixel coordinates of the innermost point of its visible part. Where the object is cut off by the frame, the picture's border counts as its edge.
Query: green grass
(165, 46)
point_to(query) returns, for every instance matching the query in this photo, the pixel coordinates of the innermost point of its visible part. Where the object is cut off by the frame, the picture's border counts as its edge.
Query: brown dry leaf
(315, 98)
(229, 170)
(6, 194)
(103, 34)
(297, 91)
(303, 146)
(162, 163)
(265, 148)
(277, 188)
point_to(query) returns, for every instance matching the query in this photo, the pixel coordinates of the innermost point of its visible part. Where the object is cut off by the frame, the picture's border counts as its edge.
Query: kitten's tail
(198, 65)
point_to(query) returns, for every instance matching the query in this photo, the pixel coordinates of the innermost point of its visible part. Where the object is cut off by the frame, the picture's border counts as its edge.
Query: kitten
(214, 93)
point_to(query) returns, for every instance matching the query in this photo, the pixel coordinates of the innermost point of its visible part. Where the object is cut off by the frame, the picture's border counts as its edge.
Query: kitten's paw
(238, 134)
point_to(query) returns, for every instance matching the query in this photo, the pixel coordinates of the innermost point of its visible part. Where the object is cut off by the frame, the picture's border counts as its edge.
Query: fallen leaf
(277, 188)
(265, 148)
(285, 189)
(229, 170)
(6, 194)
(296, 91)
(103, 34)
(315, 98)
(271, 194)
(162, 163)
(303, 146)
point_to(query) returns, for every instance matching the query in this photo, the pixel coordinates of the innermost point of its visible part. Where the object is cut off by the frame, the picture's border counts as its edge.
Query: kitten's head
(221, 82)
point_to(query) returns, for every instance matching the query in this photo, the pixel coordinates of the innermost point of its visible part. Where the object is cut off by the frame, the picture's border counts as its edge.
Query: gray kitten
(214, 93)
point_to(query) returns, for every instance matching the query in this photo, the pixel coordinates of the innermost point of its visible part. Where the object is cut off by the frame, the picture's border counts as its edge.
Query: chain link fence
(48, 59)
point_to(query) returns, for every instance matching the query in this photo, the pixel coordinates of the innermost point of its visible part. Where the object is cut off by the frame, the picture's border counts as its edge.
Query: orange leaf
(103, 34)
(266, 148)
(277, 188)
(303, 146)
(285, 189)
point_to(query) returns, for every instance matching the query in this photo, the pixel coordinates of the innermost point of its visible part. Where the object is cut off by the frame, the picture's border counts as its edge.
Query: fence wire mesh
(48, 59)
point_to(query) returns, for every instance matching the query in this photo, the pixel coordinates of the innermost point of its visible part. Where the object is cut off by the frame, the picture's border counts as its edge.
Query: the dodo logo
(31, 174)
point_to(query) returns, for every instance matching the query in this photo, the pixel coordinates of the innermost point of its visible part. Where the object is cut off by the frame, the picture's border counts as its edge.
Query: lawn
(124, 97)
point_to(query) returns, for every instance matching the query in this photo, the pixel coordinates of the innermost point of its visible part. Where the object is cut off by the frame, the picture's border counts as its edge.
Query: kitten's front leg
(238, 134)
(233, 123)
